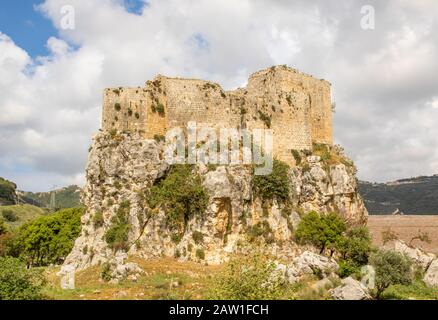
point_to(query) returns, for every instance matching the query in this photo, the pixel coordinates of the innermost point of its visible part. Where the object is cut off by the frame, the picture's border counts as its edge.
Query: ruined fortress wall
(297, 107)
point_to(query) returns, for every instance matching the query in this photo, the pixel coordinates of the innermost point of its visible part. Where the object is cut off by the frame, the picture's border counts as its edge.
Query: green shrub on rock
(181, 195)
(117, 234)
(273, 185)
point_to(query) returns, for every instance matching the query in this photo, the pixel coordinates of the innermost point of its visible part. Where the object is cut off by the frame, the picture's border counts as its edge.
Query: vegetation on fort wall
(274, 185)
(117, 234)
(47, 239)
(330, 156)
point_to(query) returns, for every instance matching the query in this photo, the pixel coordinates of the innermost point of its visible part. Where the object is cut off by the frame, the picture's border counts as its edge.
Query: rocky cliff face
(122, 168)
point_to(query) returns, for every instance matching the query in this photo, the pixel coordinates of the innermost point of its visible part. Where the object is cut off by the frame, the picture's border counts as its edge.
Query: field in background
(406, 227)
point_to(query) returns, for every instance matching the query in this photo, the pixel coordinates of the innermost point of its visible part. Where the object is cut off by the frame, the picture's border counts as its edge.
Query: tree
(391, 268)
(356, 246)
(320, 231)
(19, 283)
(48, 239)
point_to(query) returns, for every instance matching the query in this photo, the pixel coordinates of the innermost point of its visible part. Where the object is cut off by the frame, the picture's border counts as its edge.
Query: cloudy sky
(385, 79)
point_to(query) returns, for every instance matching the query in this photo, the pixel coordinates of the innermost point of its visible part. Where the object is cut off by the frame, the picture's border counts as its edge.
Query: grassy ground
(24, 213)
(163, 279)
(168, 279)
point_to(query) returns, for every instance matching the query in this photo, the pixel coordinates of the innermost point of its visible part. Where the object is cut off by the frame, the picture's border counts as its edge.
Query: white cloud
(384, 81)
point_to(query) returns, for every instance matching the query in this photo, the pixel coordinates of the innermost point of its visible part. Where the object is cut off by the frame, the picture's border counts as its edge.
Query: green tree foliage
(247, 278)
(19, 283)
(355, 248)
(275, 184)
(391, 268)
(117, 234)
(181, 195)
(322, 231)
(48, 239)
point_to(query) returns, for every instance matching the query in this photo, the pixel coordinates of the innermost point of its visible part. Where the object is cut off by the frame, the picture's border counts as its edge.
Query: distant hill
(16, 215)
(411, 196)
(66, 197)
(8, 194)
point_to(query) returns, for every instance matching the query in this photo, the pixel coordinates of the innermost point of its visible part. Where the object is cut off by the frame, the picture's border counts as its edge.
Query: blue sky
(27, 27)
(30, 29)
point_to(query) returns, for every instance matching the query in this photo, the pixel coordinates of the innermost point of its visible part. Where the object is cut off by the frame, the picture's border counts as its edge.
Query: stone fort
(295, 106)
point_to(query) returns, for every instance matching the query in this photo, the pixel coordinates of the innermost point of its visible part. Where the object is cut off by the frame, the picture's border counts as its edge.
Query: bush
(198, 237)
(181, 195)
(105, 274)
(9, 215)
(261, 229)
(159, 107)
(355, 246)
(391, 268)
(98, 219)
(48, 239)
(247, 278)
(320, 231)
(347, 268)
(19, 283)
(275, 184)
(117, 234)
(117, 106)
(200, 254)
(297, 156)
(3, 227)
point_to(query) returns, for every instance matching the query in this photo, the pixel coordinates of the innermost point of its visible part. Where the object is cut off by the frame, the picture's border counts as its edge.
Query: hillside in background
(67, 197)
(7, 192)
(415, 196)
(16, 215)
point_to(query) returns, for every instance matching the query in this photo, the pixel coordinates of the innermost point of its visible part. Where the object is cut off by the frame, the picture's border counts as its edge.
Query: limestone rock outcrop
(350, 289)
(417, 255)
(431, 275)
(122, 168)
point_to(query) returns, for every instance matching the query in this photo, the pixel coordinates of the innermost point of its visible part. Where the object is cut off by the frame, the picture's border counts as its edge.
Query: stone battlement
(296, 106)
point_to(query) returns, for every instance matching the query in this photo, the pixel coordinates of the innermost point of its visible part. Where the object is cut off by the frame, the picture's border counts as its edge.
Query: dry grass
(406, 227)
(164, 278)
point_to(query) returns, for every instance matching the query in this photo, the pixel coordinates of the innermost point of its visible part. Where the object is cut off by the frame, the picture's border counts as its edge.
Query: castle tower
(295, 106)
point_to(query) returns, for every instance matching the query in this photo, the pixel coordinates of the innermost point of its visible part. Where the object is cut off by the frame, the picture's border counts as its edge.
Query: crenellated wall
(296, 106)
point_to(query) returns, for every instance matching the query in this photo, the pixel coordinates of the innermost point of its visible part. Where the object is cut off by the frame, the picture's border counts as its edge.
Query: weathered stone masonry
(296, 106)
